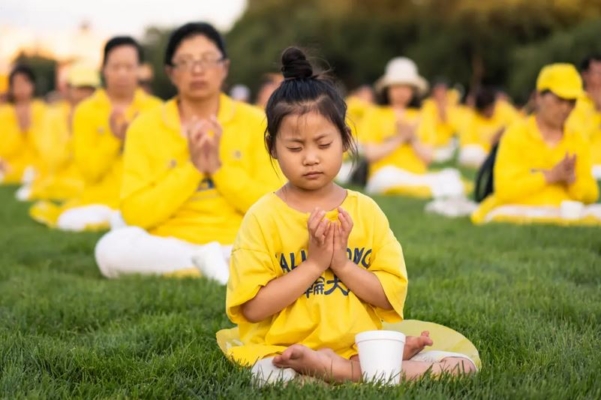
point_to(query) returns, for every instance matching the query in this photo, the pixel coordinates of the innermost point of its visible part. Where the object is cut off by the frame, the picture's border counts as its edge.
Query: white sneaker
(265, 373)
(23, 193)
(210, 261)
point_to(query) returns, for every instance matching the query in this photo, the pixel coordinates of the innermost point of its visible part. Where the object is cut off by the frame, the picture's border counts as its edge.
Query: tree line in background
(471, 42)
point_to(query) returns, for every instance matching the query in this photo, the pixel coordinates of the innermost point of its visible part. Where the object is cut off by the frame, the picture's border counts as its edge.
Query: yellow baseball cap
(82, 76)
(562, 80)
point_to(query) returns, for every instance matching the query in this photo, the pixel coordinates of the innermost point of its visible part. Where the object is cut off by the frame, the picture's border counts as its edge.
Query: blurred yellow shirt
(98, 153)
(446, 129)
(58, 178)
(164, 193)
(474, 129)
(587, 119)
(380, 124)
(273, 240)
(16, 147)
(355, 112)
(521, 158)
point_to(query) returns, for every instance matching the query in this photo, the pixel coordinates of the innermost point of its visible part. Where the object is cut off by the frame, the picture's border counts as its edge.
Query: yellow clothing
(587, 119)
(98, 153)
(478, 130)
(356, 110)
(445, 339)
(380, 124)
(444, 130)
(273, 240)
(163, 191)
(16, 148)
(59, 178)
(522, 157)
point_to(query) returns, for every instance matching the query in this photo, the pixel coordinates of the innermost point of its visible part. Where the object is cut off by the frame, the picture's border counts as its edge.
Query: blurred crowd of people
(110, 155)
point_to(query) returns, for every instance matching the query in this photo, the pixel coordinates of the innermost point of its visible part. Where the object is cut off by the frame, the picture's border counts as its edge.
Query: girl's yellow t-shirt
(273, 240)
(379, 125)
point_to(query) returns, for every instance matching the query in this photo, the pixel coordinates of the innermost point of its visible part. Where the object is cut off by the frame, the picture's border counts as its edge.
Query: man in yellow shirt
(541, 163)
(59, 178)
(99, 127)
(587, 114)
(192, 168)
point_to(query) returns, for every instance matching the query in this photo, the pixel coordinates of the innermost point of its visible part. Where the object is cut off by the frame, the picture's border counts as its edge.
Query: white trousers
(445, 183)
(345, 173)
(597, 172)
(79, 218)
(132, 250)
(472, 156)
(542, 212)
(445, 153)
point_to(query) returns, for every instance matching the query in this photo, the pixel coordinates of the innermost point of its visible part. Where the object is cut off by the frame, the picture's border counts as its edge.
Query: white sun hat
(402, 71)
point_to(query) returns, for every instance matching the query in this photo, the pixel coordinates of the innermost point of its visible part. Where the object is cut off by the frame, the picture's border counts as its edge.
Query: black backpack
(360, 173)
(485, 179)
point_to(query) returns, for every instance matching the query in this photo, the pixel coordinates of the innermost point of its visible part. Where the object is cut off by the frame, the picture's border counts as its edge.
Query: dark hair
(20, 69)
(189, 30)
(119, 41)
(484, 98)
(303, 92)
(586, 62)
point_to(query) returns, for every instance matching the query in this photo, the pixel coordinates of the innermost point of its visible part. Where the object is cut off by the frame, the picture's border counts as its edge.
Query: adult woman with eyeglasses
(192, 168)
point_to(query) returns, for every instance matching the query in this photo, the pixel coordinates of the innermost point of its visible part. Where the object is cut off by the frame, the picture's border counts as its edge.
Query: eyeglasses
(188, 64)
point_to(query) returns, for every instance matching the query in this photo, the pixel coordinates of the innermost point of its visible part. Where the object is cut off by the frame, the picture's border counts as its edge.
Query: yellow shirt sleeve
(389, 267)
(585, 188)
(243, 183)
(513, 177)
(147, 199)
(51, 141)
(94, 154)
(251, 268)
(12, 141)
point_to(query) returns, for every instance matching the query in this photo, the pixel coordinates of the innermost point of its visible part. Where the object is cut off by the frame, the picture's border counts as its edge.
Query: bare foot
(415, 344)
(323, 364)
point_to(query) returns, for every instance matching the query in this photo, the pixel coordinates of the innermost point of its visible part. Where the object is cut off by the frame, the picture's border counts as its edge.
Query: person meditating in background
(587, 114)
(59, 178)
(397, 139)
(192, 168)
(20, 119)
(541, 163)
(481, 128)
(99, 128)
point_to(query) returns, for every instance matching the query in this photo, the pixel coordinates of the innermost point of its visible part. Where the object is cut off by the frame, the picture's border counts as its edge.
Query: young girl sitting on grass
(315, 264)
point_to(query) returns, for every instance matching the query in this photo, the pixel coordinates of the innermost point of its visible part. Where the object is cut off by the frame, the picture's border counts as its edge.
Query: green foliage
(154, 42)
(529, 297)
(571, 46)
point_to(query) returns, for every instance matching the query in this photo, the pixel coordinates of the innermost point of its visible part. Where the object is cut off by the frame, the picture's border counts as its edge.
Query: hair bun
(295, 64)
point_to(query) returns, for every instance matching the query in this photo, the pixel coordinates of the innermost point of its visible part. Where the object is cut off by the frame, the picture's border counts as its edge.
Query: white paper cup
(571, 210)
(381, 355)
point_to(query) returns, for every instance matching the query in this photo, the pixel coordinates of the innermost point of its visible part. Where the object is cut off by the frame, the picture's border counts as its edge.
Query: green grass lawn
(528, 297)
